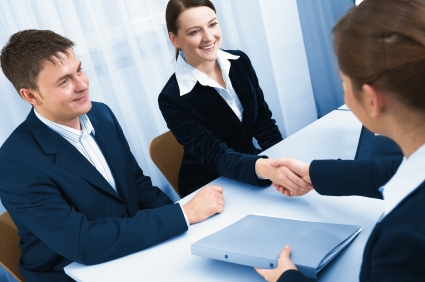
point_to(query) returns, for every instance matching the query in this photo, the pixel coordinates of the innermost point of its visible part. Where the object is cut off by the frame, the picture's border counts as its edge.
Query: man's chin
(87, 107)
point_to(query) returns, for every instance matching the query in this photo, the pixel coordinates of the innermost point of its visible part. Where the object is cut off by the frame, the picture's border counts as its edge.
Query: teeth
(208, 47)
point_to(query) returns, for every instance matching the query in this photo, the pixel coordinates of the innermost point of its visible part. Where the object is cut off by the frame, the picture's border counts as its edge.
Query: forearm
(348, 177)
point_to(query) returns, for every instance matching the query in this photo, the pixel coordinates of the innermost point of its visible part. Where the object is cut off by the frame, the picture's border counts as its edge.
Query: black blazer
(66, 211)
(396, 246)
(215, 141)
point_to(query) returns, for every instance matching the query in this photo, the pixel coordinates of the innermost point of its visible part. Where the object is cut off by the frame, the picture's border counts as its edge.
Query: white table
(333, 136)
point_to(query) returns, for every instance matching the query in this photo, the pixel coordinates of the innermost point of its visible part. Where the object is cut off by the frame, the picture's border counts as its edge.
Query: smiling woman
(213, 103)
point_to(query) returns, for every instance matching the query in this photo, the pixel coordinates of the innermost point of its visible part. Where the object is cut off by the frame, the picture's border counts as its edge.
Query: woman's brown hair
(174, 10)
(382, 43)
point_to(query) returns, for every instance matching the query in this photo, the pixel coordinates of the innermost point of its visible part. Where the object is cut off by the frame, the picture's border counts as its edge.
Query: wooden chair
(167, 154)
(10, 253)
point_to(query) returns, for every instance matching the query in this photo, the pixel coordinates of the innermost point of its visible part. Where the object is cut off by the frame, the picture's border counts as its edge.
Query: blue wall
(317, 20)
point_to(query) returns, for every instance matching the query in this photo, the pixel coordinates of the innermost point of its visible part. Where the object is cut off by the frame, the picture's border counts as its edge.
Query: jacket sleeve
(36, 203)
(266, 131)
(293, 276)
(205, 147)
(352, 177)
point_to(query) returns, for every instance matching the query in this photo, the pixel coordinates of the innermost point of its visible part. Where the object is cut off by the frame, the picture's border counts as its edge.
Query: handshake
(289, 176)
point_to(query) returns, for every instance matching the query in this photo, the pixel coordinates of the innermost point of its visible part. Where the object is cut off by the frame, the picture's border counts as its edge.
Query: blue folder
(257, 241)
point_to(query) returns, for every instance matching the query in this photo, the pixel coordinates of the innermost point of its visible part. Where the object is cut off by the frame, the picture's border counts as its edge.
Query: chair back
(167, 155)
(10, 253)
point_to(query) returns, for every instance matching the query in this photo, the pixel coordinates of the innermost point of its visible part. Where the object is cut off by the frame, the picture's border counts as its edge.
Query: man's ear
(174, 40)
(375, 100)
(31, 96)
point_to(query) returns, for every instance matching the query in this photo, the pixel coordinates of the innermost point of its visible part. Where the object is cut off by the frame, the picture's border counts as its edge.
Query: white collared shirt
(409, 175)
(84, 142)
(187, 76)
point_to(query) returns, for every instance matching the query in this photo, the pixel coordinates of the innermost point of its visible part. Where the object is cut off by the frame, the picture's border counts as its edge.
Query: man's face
(63, 93)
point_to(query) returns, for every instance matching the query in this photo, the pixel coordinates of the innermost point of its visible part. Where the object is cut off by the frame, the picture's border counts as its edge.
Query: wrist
(187, 210)
(307, 170)
(261, 167)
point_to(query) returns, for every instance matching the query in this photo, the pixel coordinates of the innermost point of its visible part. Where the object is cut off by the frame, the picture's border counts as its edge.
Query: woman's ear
(374, 100)
(174, 40)
(30, 96)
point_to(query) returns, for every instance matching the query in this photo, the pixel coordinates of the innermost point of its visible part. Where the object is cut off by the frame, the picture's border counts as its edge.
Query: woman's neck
(213, 71)
(409, 132)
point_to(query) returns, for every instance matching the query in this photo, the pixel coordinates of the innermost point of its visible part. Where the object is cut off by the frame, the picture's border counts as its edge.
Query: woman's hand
(284, 264)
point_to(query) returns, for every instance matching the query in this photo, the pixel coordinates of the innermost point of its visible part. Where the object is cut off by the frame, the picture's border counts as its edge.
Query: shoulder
(236, 53)
(170, 90)
(101, 114)
(20, 139)
(171, 87)
(243, 58)
(99, 110)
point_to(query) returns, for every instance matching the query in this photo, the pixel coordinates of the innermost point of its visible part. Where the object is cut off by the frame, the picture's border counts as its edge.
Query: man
(67, 175)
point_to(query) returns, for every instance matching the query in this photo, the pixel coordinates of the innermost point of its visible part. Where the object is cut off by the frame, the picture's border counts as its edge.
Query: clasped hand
(289, 176)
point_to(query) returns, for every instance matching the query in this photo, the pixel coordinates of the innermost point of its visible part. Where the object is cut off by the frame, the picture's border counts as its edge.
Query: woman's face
(355, 104)
(199, 35)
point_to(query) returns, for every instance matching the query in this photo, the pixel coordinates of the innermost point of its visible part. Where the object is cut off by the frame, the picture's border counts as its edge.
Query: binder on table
(257, 241)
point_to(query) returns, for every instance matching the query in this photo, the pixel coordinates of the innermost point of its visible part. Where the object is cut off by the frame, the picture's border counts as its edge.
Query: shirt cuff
(185, 217)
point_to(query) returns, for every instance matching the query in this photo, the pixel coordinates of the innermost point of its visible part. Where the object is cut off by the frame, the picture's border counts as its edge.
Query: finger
(220, 208)
(279, 162)
(287, 183)
(296, 179)
(220, 197)
(218, 188)
(286, 252)
(293, 187)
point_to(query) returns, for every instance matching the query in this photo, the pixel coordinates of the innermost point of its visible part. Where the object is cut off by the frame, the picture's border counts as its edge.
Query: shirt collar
(67, 132)
(187, 76)
(408, 177)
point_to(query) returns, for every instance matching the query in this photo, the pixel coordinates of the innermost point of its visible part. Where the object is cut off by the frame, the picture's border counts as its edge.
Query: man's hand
(206, 203)
(297, 168)
(284, 175)
(284, 263)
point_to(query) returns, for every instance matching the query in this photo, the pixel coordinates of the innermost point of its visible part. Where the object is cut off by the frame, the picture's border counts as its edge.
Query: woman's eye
(213, 24)
(193, 32)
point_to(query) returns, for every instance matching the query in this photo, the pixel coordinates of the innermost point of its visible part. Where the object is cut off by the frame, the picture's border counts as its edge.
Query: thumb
(286, 252)
(278, 162)
(218, 189)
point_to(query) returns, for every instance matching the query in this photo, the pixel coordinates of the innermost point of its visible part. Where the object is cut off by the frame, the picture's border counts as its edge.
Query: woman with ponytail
(213, 103)
(380, 46)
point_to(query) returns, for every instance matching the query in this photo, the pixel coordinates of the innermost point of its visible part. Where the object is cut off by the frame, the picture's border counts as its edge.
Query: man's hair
(22, 58)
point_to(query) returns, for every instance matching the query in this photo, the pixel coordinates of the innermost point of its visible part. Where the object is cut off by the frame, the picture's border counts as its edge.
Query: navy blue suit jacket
(216, 143)
(396, 246)
(66, 211)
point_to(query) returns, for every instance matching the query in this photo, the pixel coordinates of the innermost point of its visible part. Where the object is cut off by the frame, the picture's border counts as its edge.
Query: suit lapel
(114, 160)
(209, 97)
(240, 84)
(67, 156)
